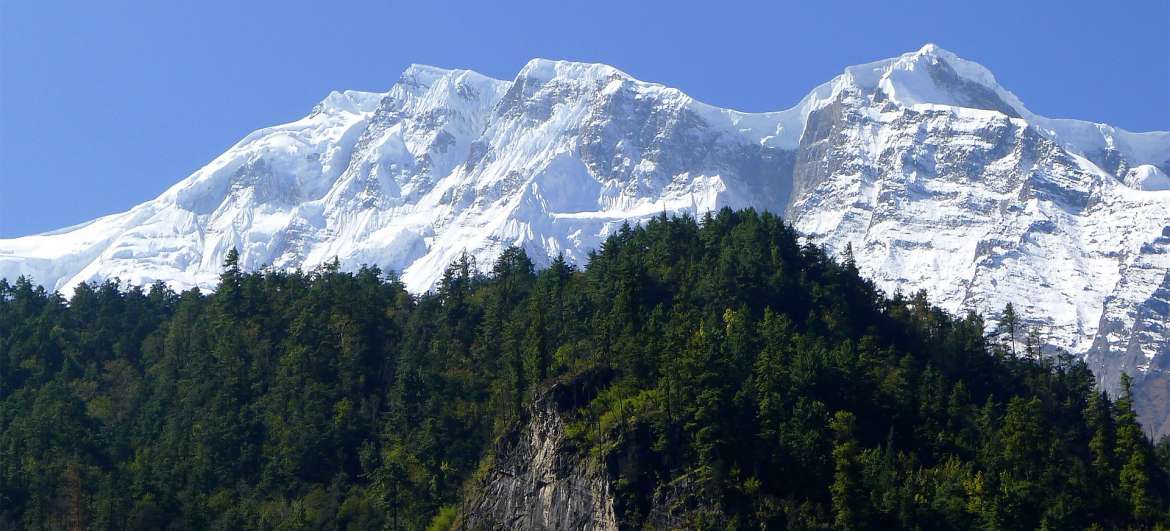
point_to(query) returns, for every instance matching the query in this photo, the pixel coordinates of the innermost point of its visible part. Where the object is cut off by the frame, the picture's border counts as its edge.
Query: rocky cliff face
(537, 479)
(937, 177)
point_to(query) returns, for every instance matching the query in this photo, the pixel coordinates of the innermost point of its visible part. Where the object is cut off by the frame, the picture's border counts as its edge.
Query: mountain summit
(935, 175)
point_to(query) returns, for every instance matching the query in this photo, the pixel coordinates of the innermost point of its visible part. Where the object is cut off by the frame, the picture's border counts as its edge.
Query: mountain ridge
(936, 176)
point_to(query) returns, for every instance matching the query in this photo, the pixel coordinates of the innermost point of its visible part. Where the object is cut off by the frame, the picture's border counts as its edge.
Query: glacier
(936, 176)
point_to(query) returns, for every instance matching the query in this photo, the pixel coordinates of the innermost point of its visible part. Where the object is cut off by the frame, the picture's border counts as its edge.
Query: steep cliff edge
(536, 478)
(539, 477)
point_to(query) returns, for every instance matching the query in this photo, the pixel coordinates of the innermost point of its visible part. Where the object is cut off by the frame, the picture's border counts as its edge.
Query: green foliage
(772, 384)
(444, 520)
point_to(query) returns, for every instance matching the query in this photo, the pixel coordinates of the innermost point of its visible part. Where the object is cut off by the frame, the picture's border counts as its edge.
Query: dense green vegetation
(789, 390)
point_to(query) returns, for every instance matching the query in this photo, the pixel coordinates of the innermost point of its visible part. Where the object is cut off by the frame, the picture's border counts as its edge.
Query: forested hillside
(788, 390)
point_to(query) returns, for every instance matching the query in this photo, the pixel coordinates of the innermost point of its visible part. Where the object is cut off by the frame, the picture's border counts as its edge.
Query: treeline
(783, 387)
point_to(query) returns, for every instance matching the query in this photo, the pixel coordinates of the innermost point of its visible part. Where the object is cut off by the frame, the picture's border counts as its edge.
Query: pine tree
(848, 260)
(230, 283)
(1102, 432)
(1033, 343)
(1133, 452)
(848, 505)
(1008, 322)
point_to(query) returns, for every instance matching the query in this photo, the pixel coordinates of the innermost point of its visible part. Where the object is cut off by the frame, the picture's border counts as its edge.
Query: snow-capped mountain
(939, 179)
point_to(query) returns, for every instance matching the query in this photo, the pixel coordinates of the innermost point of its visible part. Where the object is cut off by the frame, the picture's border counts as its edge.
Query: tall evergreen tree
(1133, 453)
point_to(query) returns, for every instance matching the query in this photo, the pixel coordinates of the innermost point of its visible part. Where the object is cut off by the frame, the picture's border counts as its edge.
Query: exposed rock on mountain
(537, 480)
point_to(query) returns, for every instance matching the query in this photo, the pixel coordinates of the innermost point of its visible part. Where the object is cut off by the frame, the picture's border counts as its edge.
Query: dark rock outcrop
(536, 478)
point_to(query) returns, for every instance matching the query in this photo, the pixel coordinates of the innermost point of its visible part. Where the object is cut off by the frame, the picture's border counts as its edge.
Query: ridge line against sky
(105, 106)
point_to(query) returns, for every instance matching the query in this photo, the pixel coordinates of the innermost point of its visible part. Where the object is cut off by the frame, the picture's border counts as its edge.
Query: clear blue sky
(105, 104)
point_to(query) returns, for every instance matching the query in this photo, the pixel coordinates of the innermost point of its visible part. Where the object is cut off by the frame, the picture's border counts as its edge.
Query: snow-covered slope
(942, 180)
(939, 178)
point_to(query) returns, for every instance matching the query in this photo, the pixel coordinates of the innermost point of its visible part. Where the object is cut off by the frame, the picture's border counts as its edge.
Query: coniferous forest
(793, 393)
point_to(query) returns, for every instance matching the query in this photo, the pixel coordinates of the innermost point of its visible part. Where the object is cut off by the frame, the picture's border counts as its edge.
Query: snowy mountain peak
(422, 75)
(351, 101)
(545, 70)
(931, 48)
(418, 80)
(934, 76)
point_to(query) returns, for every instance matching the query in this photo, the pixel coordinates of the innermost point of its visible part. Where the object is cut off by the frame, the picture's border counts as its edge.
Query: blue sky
(106, 104)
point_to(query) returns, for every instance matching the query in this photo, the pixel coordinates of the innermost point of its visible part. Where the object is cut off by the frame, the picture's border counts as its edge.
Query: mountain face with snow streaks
(935, 176)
